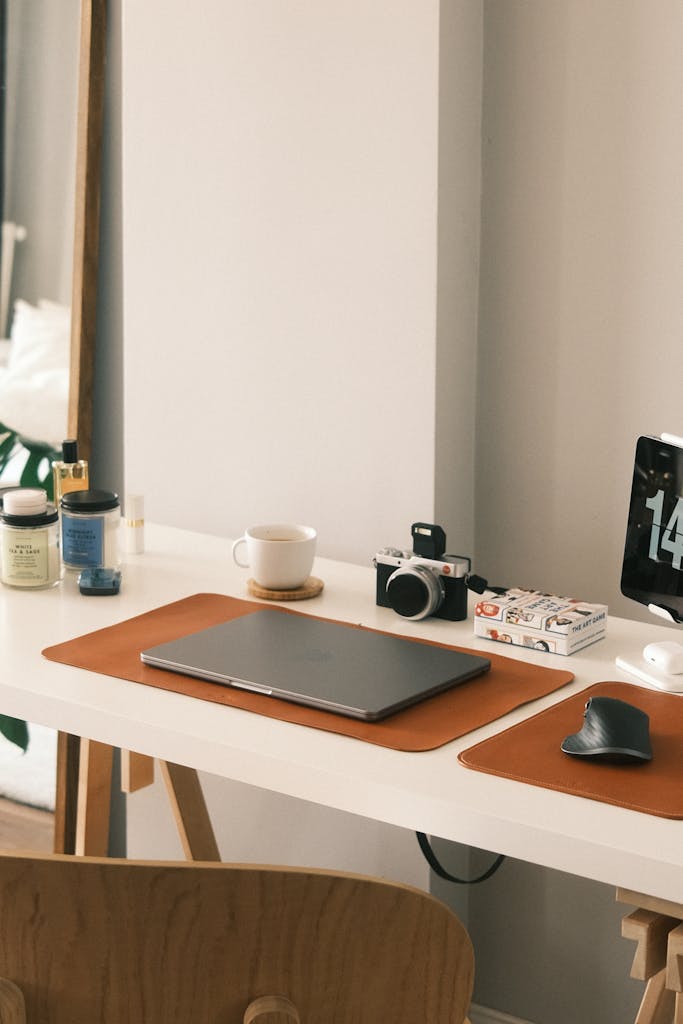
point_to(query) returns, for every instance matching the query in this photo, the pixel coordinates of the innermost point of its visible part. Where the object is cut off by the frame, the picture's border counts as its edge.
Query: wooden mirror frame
(89, 139)
(87, 221)
(83, 327)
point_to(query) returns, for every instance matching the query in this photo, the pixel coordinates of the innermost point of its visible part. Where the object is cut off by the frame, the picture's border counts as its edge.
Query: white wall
(281, 183)
(295, 306)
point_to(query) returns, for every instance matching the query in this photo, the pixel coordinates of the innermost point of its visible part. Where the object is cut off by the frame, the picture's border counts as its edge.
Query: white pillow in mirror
(34, 387)
(40, 337)
(36, 406)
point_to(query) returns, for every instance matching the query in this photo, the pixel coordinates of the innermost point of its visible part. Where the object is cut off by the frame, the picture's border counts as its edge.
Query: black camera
(424, 581)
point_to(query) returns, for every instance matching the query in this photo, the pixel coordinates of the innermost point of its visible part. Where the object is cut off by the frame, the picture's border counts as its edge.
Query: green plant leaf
(15, 730)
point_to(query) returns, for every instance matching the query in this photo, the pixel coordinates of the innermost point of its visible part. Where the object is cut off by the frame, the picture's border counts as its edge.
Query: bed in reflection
(34, 391)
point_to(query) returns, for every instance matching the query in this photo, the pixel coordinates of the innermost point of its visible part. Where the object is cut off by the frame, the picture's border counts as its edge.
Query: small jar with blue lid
(90, 529)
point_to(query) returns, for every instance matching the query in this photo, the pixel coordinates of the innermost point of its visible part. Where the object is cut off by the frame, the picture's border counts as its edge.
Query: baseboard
(483, 1015)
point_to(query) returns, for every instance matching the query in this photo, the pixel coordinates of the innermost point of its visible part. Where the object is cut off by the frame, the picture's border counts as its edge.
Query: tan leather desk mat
(115, 651)
(530, 752)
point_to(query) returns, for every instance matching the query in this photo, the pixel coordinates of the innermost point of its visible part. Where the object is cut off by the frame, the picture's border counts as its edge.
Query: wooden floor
(25, 828)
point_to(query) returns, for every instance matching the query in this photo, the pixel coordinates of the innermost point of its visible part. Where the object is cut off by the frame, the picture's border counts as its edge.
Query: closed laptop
(321, 664)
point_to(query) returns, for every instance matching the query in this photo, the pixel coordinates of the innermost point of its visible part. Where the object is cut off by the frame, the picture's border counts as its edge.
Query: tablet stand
(648, 673)
(644, 670)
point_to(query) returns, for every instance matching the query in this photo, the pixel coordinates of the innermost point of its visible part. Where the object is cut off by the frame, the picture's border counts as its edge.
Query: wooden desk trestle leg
(83, 796)
(674, 970)
(657, 928)
(66, 794)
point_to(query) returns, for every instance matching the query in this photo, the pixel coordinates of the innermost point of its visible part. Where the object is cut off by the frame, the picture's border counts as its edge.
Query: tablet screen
(652, 571)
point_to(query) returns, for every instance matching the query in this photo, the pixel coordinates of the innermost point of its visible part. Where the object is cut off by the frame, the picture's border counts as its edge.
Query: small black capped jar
(90, 529)
(29, 540)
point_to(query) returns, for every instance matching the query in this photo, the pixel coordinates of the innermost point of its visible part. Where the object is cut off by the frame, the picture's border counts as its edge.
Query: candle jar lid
(27, 506)
(89, 501)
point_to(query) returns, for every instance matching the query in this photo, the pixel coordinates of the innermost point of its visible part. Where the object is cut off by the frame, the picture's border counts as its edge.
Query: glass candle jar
(29, 540)
(90, 529)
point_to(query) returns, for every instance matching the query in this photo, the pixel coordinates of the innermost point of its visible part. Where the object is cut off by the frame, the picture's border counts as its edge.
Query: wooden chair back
(89, 939)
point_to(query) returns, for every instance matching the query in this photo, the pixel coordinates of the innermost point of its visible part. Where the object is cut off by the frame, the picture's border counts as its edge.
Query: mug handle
(235, 546)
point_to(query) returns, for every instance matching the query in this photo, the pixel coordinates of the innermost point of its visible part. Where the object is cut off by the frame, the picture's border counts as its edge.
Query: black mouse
(613, 731)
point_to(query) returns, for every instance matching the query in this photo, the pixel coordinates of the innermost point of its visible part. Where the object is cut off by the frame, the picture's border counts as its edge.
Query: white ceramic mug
(280, 555)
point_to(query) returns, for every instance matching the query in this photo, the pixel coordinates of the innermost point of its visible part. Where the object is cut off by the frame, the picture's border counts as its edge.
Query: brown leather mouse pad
(530, 752)
(115, 651)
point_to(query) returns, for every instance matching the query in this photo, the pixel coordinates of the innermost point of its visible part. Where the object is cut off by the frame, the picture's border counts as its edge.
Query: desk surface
(430, 792)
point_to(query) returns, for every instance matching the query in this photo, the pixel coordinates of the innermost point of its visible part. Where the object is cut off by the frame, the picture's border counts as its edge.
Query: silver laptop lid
(326, 665)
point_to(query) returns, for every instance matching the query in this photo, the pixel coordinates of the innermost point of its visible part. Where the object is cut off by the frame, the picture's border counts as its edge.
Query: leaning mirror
(52, 61)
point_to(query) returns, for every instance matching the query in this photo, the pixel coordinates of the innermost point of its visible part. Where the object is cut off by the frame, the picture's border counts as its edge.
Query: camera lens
(415, 592)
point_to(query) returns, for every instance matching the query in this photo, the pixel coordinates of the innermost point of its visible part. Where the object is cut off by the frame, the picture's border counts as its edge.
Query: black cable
(441, 871)
(479, 585)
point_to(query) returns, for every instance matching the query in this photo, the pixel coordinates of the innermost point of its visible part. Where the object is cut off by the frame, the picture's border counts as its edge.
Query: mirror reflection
(39, 43)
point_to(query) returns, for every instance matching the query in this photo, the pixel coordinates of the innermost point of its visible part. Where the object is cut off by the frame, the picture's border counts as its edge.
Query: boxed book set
(544, 622)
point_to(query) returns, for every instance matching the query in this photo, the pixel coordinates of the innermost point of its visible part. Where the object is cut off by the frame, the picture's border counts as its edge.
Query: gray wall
(547, 945)
(580, 327)
(106, 463)
(580, 317)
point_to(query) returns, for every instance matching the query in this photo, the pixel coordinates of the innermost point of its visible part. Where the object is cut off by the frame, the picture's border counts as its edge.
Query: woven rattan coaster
(311, 588)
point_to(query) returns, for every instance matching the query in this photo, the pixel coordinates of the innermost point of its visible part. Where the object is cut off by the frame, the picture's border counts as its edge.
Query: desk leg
(94, 798)
(83, 799)
(66, 793)
(137, 771)
(186, 798)
(190, 812)
(674, 970)
(656, 927)
(657, 1006)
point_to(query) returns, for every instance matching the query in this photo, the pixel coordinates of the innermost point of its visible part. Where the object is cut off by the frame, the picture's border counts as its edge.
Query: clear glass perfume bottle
(70, 473)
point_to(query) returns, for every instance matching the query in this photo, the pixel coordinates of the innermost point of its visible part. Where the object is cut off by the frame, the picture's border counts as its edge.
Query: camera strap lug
(478, 584)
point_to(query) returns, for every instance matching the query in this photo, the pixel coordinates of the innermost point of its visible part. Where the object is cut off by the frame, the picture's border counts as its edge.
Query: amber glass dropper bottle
(70, 473)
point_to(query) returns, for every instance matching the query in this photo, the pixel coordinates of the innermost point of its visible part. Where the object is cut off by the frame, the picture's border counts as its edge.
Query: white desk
(430, 792)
